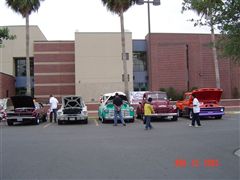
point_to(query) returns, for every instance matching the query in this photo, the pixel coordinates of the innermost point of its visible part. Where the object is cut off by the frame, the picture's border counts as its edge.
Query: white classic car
(73, 109)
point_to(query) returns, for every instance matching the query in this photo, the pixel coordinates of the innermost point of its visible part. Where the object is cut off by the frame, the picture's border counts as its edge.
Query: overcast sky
(59, 19)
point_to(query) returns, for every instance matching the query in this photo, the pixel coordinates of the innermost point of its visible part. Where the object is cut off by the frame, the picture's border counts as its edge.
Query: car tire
(190, 114)
(175, 118)
(10, 123)
(179, 112)
(60, 122)
(218, 117)
(37, 121)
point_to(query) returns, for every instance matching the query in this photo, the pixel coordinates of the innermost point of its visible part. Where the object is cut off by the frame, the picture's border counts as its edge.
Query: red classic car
(26, 110)
(209, 103)
(161, 105)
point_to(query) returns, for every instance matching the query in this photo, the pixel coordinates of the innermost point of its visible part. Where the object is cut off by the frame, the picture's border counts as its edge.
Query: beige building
(99, 64)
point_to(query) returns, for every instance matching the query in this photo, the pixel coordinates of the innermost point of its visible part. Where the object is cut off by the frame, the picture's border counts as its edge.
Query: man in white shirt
(196, 111)
(53, 108)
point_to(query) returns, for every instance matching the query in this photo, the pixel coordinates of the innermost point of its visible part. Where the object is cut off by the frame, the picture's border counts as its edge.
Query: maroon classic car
(26, 110)
(161, 105)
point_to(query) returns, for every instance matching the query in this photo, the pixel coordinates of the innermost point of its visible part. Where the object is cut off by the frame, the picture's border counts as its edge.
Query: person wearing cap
(148, 111)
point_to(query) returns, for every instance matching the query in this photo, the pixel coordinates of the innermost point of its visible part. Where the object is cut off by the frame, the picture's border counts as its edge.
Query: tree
(119, 7)
(4, 34)
(208, 11)
(25, 8)
(229, 25)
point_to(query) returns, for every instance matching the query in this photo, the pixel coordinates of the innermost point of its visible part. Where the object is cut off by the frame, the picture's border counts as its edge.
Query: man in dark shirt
(117, 102)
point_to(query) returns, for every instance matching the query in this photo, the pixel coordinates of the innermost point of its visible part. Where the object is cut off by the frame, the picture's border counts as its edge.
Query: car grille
(211, 109)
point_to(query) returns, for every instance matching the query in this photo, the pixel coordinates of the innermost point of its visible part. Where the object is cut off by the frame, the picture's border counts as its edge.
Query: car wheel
(179, 112)
(175, 118)
(60, 122)
(218, 117)
(190, 114)
(10, 123)
(37, 121)
(103, 120)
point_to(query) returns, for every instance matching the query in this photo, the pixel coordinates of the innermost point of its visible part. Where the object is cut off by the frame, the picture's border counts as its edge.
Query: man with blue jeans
(53, 108)
(117, 102)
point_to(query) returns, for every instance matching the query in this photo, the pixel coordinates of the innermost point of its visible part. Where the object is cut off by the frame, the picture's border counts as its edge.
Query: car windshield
(157, 96)
(123, 97)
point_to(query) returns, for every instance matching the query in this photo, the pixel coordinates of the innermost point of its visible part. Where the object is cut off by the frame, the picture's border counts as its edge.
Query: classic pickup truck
(209, 103)
(161, 105)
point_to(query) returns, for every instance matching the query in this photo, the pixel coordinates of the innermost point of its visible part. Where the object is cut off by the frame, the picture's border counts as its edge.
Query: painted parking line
(45, 126)
(96, 122)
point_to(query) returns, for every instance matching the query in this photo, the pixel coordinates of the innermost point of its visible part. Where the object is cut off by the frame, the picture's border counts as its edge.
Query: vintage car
(161, 105)
(26, 110)
(3, 107)
(106, 108)
(73, 109)
(209, 103)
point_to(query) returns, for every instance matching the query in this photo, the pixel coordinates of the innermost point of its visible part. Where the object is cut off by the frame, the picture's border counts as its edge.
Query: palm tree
(207, 9)
(25, 8)
(119, 7)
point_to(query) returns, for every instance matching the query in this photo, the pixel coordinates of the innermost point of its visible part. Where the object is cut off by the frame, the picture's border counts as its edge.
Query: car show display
(209, 99)
(161, 105)
(106, 108)
(73, 109)
(26, 111)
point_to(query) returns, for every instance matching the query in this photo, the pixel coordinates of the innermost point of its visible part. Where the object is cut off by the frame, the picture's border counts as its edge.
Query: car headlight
(106, 110)
(131, 109)
(59, 113)
(222, 109)
(174, 107)
(85, 113)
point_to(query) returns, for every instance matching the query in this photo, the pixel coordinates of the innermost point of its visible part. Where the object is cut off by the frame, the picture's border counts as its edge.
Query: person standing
(53, 108)
(196, 111)
(148, 111)
(117, 102)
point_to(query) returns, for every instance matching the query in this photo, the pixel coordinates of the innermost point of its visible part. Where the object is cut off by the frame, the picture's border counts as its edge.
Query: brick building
(91, 64)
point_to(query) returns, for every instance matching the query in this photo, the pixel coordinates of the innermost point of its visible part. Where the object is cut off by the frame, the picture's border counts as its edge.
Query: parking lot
(172, 150)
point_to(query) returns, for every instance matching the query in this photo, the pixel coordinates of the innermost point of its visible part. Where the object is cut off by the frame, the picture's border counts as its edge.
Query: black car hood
(22, 101)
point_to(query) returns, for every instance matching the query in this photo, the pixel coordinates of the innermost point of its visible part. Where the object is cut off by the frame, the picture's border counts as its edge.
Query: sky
(60, 19)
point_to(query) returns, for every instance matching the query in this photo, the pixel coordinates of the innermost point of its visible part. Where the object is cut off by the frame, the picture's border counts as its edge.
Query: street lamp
(155, 3)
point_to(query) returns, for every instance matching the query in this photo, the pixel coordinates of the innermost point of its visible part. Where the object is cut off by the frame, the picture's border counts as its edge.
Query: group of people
(118, 102)
(149, 111)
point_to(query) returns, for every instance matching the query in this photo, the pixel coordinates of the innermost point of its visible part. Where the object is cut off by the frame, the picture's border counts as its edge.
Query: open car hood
(3, 103)
(22, 101)
(72, 102)
(208, 94)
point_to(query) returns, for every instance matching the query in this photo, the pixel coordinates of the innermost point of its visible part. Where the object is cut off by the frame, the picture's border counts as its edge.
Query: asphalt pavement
(172, 150)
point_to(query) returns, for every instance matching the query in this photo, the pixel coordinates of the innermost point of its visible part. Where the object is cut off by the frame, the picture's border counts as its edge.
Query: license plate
(19, 119)
(72, 119)
(170, 117)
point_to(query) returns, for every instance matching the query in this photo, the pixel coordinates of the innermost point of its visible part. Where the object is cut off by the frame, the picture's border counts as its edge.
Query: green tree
(229, 25)
(208, 10)
(4, 34)
(119, 7)
(25, 8)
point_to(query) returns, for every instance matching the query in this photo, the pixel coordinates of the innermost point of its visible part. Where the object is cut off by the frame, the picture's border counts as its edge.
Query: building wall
(184, 61)
(17, 47)
(99, 65)
(7, 85)
(54, 69)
